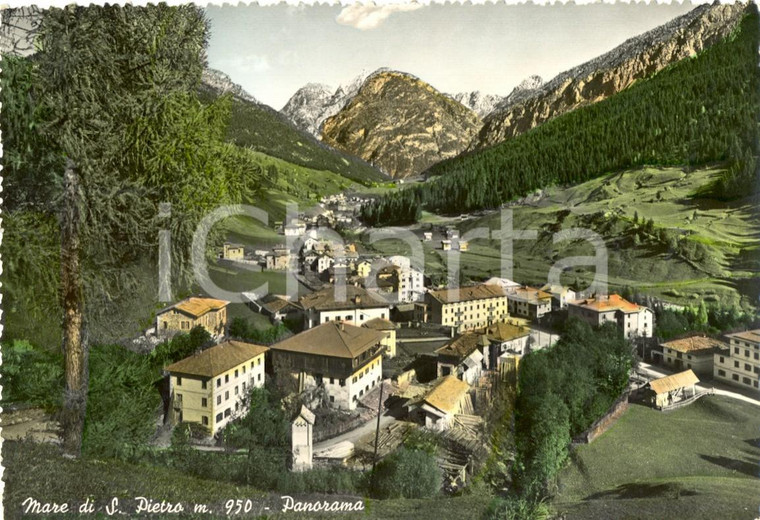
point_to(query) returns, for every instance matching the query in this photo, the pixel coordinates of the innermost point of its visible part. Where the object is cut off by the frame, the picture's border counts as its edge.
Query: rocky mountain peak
(610, 73)
(400, 124)
(222, 84)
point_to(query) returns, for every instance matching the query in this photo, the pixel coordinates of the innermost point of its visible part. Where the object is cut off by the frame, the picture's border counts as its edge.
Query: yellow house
(388, 328)
(208, 388)
(233, 251)
(183, 316)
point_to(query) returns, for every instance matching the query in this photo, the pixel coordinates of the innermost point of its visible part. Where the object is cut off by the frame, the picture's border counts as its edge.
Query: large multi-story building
(183, 316)
(634, 320)
(411, 280)
(467, 307)
(209, 388)
(740, 364)
(695, 352)
(344, 361)
(355, 306)
(529, 303)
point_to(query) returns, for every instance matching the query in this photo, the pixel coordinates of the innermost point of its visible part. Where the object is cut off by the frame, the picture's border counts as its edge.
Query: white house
(634, 320)
(343, 361)
(355, 306)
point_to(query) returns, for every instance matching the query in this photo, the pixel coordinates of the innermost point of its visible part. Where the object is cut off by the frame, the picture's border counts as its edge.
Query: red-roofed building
(634, 320)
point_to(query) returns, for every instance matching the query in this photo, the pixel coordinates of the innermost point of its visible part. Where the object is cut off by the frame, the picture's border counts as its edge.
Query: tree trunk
(75, 346)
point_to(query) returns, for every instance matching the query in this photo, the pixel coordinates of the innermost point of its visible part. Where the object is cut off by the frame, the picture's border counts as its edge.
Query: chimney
(357, 299)
(342, 326)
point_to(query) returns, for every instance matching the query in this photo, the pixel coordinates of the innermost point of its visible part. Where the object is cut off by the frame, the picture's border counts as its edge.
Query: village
(374, 351)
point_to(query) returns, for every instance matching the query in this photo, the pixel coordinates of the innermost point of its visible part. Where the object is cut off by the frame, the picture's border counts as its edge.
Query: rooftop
(747, 335)
(462, 346)
(674, 382)
(355, 297)
(503, 331)
(196, 306)
(613, 302)
(217, 359)
(379, 324)
(463, 294)
(446, 393)
(529, 294)
(694, 344)
(333, 339)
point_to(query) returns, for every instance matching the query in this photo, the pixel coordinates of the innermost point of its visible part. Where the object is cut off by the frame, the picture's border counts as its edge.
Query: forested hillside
(265, 130)
(700, 110)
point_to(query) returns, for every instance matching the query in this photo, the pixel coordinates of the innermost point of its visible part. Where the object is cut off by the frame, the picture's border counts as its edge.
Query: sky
(272, 51)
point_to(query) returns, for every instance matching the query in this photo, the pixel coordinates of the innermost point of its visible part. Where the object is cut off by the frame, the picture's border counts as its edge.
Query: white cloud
(371, 16)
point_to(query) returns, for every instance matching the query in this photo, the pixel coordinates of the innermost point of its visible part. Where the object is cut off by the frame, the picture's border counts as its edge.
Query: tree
(114, 103)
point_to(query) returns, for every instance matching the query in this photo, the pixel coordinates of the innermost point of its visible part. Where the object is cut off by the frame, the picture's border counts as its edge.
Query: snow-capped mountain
(315, 102)
(222, 84)
(481, 104)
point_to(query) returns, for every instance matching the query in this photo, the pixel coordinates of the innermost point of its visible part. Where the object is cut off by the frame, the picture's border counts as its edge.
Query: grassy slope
(39, 471)
(727, 229)
(697, 462)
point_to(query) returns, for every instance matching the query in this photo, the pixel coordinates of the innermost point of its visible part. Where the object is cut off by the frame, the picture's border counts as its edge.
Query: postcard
(380, 260)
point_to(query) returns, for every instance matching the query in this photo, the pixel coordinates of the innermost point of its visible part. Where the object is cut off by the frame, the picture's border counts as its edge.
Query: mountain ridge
(611, 72)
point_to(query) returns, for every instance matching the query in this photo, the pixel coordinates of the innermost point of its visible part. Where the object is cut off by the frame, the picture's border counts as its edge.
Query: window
(204, 420)
(354, 379)
(736, 364)
(218, 417)
(348, 317)
(251, 365)
(226, 395)
(243, 386)
(228, 412)
(332, 381)
(342, 382)
(204, 384)
(722, 359)
(236, 390)
(735, 377)
(736, 350)
(746, 353)
(259, 378)
(259, 362)
(218, 382)
(747, 367)
(179, 381)
(722, 373)
(354, 399)
(332, 398)
(218, 399)
(204, 402)
(236, 372)
(226, 378)
(179, 398)
(244, 369)
(757, 355)
(746, 381)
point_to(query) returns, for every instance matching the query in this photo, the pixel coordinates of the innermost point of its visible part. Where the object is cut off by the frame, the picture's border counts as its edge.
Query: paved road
(356, 434)
(655, 372)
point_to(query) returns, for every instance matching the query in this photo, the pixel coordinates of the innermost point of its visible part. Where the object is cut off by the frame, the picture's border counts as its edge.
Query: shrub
(407, 474)
(33, 376)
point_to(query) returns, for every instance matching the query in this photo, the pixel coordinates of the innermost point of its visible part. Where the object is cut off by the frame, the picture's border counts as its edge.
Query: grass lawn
(697, 462)
(38, 471)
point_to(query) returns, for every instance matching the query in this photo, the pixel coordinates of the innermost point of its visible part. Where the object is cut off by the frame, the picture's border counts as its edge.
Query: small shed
(673, 388)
